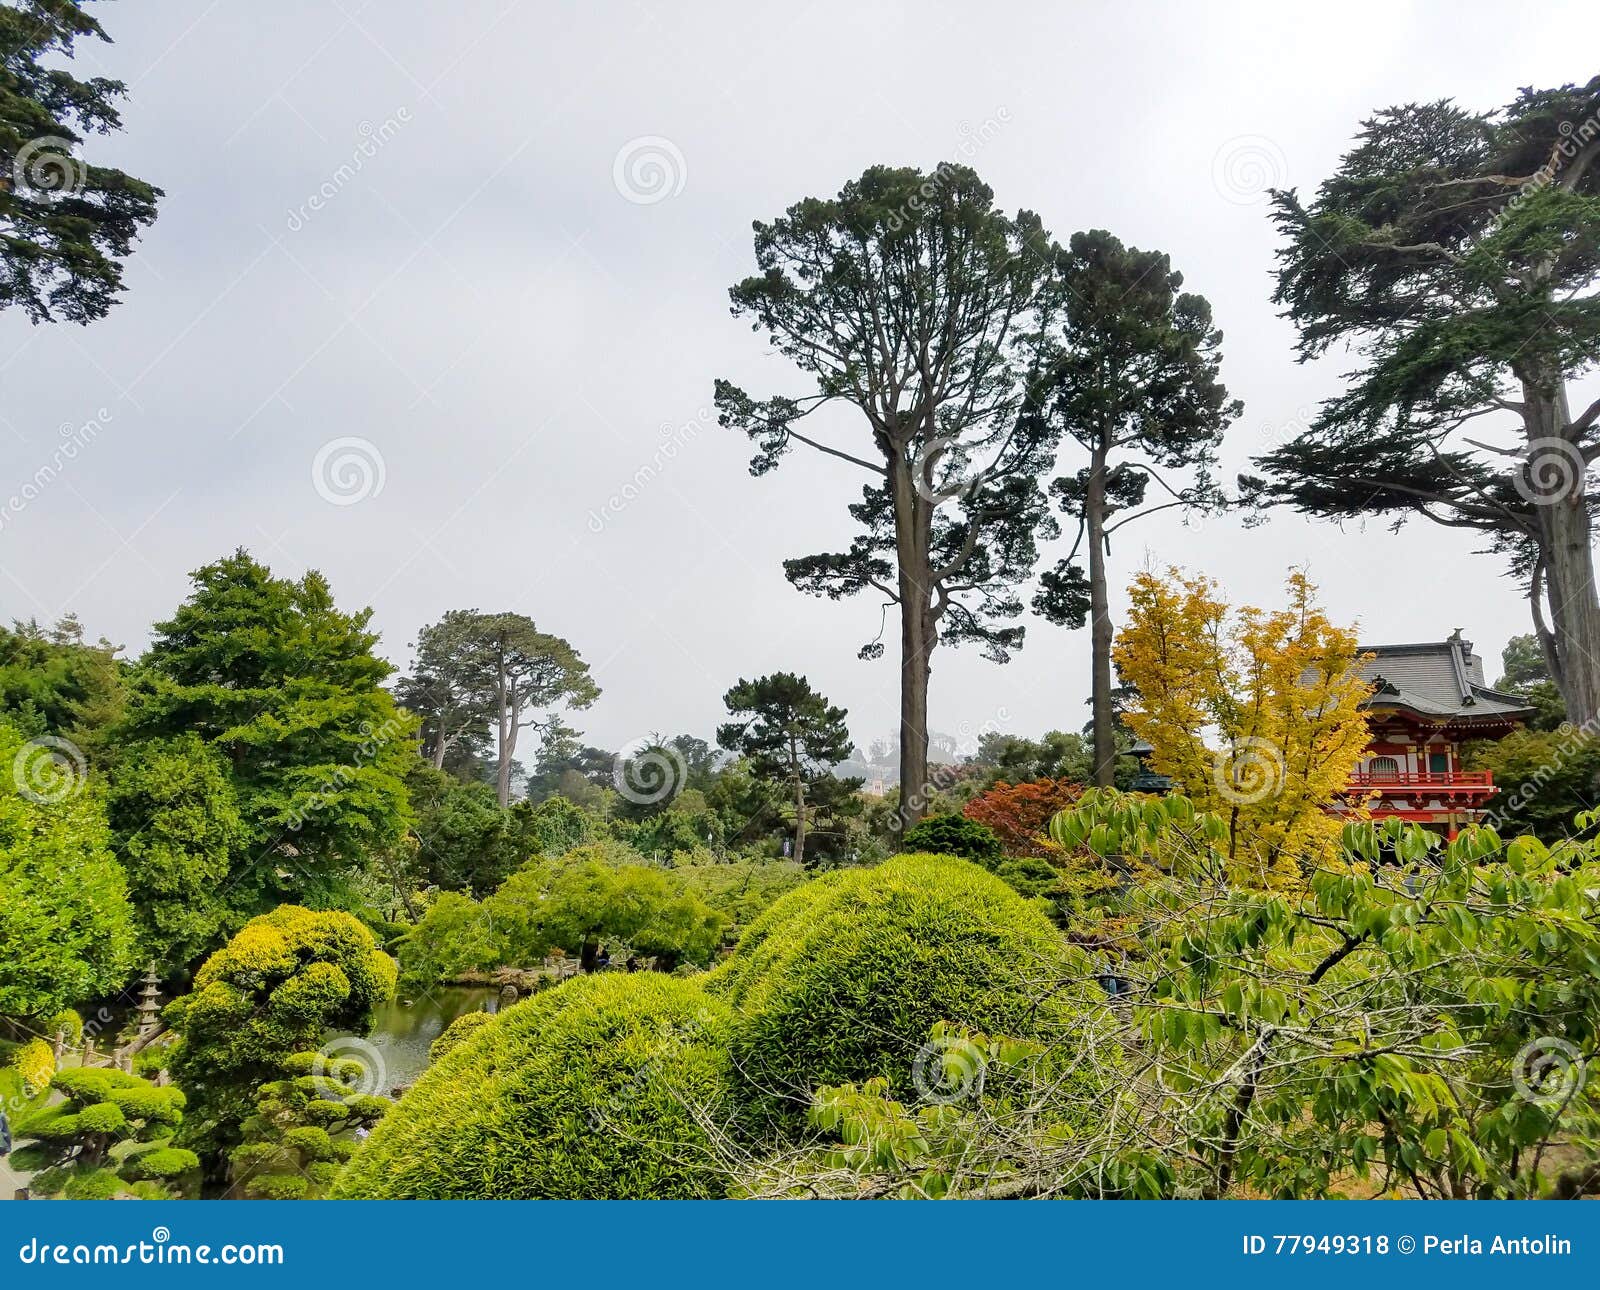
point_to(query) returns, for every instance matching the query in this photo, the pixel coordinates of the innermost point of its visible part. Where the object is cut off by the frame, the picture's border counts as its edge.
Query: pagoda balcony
(1415, 781)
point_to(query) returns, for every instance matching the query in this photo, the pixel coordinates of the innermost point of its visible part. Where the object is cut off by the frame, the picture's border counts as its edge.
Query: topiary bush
(276, 988)
(458, 1032)
(582, 1092)
(955, 835)
(109, 1130)
(841, 980)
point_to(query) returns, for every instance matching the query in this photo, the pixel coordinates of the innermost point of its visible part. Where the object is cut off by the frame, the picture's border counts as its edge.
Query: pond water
(403, 1029)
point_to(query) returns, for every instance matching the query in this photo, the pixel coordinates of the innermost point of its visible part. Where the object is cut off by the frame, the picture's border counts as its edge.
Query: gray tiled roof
(1437, 678)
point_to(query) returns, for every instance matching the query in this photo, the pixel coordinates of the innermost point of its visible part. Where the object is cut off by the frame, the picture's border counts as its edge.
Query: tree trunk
(507, 742)
(913, 523)
(799, 797)
(799, 821)
(1565, 539)
(1094, 511)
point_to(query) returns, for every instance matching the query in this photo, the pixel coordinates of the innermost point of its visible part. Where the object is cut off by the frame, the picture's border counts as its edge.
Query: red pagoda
(1427, 701)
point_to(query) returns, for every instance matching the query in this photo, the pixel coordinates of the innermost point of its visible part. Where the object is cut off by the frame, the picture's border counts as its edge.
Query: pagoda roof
(1438, 679)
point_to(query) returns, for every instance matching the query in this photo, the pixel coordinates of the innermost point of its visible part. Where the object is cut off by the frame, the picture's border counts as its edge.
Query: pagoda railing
(1365, 781)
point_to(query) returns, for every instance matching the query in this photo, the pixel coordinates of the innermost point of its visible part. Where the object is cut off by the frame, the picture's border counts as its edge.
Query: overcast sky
(492, 242)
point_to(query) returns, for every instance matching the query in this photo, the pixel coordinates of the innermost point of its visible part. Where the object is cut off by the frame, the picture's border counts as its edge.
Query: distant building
(1428, 700)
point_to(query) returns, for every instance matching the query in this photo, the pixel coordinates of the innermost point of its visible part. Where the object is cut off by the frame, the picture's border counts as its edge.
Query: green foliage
(66, 928)
(176, 827)
(1527, 673)
(955, 835)
(742, 890)
(557, 824)
(301, 1127)
(285, 688)
(467, 843)
(673, 833)
(578, 904)
(455, 936)
(458, 1032)
(68, 225)
(586, 1091)
(66, 1023)
(838, 981)
(109, 1130)
(1414, 1017)
(53, 683)
(945, 1148)
(1542, 779)
(790, 735)
(275, 989)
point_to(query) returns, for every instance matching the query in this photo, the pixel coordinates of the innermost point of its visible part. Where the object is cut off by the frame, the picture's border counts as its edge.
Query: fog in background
(494, 240)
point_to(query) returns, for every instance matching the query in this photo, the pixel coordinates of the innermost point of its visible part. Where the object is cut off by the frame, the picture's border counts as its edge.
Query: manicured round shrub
(955, 835)
(842, 980)
(458, 1032)
(584, 1091)
(165, 1162)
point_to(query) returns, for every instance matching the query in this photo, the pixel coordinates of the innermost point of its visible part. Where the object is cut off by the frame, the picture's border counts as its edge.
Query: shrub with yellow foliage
(1256, 715)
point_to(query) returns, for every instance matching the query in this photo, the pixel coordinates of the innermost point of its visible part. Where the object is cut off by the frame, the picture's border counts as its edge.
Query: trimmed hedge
(841, 980)
(458, 1032)
(580, 1092)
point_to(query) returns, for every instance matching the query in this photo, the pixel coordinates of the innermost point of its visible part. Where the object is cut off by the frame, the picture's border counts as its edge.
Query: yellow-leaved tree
(1257, 715)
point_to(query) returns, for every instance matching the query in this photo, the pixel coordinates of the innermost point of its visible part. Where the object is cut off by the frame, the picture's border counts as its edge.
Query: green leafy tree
(789, 734)
(52, 682)
(285, 688)
(455, 936)
(451, 689)
(303, 1128)
(1132, 376)
(1413, 1019)
(176, 829)
(528, 672)
(65, 225)
(67, 930)
(561, 751)
(907, 298)
(1543, 778)
(742, 890)
(276, 988)
(466, 842)
(1526, 673)
(1458, 250)
(109, 1135)
(582, 904)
